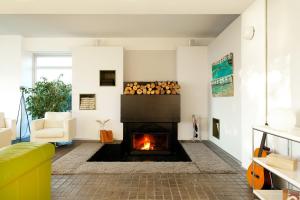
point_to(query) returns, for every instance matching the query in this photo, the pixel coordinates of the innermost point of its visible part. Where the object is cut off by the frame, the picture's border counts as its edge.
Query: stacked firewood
(152, 88)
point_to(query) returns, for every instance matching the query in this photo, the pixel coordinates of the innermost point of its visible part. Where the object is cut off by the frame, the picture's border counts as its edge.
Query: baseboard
(89, 140)
(85, 139)
(217, 147)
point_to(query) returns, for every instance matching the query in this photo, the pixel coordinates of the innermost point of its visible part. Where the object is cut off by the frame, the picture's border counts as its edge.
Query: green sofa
(25, 171)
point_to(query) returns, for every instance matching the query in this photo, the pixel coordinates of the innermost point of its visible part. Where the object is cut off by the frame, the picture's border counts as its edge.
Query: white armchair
(7, 130)
(55, 127)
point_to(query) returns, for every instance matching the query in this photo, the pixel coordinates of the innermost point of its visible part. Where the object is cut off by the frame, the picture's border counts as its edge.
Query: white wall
(284, 54)
(195, 87)
(253, 77)
(193, 58)
(10, 74)
(87, 61)
(193, 76)
(26, 69)
(227, 109)
(284, 69)
(149, 65)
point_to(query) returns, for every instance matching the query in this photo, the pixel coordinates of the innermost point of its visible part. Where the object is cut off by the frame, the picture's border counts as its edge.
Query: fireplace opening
(150, 142)
(149, 138)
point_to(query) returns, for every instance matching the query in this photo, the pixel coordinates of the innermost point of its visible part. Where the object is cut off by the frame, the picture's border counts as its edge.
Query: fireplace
(150, 124)
(149, 131)
(150, 142)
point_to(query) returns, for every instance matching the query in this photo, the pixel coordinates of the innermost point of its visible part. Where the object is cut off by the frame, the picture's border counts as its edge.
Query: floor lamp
(22, 109)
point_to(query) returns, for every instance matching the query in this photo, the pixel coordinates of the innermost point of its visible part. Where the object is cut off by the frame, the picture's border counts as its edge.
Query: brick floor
(154, 186)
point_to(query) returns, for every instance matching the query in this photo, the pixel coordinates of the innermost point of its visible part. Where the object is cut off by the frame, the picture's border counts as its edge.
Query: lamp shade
(282, 119)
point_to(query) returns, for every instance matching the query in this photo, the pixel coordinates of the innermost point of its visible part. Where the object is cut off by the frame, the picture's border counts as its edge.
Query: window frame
(35, 67)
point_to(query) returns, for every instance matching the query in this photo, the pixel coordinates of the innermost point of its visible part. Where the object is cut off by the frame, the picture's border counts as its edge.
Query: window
(51, 66)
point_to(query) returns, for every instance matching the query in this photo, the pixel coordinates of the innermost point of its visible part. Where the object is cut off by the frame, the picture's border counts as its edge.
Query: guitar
(257, 176)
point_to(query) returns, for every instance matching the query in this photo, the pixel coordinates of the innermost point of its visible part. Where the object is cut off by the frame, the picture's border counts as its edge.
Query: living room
(149, 100)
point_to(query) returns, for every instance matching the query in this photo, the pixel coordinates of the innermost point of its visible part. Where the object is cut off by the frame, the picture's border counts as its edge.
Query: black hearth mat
(115, 153)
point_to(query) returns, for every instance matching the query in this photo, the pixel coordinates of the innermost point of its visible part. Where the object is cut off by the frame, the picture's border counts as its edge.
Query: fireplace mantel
(150, 108)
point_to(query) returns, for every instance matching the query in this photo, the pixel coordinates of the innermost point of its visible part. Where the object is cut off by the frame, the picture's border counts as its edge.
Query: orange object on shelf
(106, 136)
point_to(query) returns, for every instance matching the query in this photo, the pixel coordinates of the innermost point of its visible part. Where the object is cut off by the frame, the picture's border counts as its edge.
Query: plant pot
(106, 136)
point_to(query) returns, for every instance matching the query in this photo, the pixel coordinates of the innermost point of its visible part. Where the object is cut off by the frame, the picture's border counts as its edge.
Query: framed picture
(222, 77)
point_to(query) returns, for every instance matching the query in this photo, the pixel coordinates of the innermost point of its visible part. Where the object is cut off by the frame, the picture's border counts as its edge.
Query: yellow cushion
(18, 159)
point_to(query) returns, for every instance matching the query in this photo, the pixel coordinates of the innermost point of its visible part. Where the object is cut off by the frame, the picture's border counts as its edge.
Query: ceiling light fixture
(249, 33)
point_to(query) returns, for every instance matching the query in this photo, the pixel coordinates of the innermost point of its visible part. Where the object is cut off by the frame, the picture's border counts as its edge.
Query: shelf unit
(292, 177)
(268, 194)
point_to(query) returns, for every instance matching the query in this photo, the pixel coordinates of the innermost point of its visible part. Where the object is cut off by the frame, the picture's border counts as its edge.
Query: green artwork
(222, 77)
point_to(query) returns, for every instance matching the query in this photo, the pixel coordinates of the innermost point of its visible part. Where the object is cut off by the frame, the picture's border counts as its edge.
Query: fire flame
(147, 144)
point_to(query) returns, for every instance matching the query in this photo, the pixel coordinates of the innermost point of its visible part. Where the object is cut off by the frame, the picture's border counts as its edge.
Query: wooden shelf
(87, 101)
(268, 194)
(293, 134)
(291, 176)
(107, 78)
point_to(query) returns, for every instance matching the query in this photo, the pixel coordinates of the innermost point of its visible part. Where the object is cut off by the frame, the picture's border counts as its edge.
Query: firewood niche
(152, 88)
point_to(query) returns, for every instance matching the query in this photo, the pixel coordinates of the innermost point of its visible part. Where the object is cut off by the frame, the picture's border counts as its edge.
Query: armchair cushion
(53, 123)
(50, 133)
(12, 124)
(37, 124)
(5, 137)
(70, 126)
(56, 119)
(2, 121)
(59, 116)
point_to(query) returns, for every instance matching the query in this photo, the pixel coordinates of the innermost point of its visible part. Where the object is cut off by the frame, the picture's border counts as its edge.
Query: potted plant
(48, 96)
(106, 136)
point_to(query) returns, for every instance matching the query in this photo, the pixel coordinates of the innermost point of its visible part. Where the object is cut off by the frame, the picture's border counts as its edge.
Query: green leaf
(46, 96)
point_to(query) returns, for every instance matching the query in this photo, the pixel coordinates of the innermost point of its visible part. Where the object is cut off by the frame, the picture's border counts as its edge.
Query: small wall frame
(107, 77)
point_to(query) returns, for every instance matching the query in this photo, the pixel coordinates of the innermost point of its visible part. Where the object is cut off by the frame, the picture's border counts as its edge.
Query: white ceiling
(123, 6)
(204, 26)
